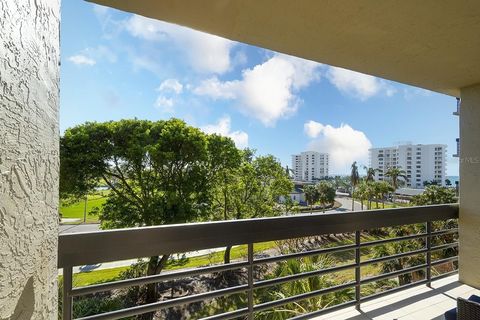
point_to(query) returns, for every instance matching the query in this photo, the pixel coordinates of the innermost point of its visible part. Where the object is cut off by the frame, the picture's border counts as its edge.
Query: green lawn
(106, 275)
(76, 209)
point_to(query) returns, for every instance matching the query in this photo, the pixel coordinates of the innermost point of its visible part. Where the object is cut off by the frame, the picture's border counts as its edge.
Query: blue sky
(117, 65)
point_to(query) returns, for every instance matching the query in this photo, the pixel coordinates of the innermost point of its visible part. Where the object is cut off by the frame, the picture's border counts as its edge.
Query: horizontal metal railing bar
(303, 296)
(393, 274)
(445, 260)
(396, 239)
(228, 315)
(444, 231)
(113, 245)
(309, 315)
(293, 277)
(390, 291)
(315, 252)
(445, 246)
(394, 256)
(445, 274)
(133, 311)
(80, 291)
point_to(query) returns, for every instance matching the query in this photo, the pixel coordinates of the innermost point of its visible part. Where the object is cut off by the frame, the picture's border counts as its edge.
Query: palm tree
(395, 173)
(360, 192)
(370, 173)
(384, 188)
(311, 195)
(302, 286)
(354, 179)
(290, 173)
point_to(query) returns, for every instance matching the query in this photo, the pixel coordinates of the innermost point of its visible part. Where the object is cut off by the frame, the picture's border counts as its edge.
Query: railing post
(429, 253)
(67, 293)
(250, 281)
(357, 270)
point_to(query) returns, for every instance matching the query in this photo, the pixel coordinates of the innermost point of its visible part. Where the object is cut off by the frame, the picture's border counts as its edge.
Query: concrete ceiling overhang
(433, 44)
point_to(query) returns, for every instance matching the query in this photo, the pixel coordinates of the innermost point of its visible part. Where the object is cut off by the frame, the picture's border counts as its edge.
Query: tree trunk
(353, 199)
(226, 255)
(155, 266)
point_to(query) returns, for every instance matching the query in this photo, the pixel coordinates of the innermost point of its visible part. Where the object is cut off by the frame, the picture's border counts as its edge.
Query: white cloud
(359, 85)
(171, 85)
(343, 143)
(206, 53)
(223, 127)
(217, 89)
(80, 59)
(312, 128)
(266, 92)
(164, 104)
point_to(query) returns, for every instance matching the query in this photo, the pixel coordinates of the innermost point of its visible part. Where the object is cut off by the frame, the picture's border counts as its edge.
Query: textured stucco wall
(29, 90)
(469, 222)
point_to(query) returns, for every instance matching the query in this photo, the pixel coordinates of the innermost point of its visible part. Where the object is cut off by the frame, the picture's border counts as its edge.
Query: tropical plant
(370, 173)
(354, 180)
(304, 285)
(395, 174)
(400, 247)
(427, 183)
(326, 193)
(435, 195)
(384, 188)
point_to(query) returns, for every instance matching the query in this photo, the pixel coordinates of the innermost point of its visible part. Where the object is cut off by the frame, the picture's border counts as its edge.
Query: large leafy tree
(158, 173)
(256, 186)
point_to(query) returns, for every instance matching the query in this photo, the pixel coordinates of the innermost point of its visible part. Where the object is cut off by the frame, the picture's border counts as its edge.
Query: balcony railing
(115, 245)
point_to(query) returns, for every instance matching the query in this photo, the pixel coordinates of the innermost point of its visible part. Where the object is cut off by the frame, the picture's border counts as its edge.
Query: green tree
(427, 183)
(290, 206)
(384, 188)
(361, 192)
(370, 173)
(258, 184)
(434, 194)
(158, 173)
(354, 180)
(326, 193)
(448, 182)
(227, 159)
(395, 174)
(311, 195)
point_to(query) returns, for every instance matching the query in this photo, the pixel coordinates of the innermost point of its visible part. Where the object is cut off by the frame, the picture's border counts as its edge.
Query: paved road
(347, 204)
(76, 228)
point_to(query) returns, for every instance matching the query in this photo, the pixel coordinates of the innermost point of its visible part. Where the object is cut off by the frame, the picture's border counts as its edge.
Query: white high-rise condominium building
(421, 162)
(310, 165)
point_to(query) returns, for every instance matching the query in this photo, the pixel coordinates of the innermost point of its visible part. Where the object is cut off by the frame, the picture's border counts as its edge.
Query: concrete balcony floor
(419, 303)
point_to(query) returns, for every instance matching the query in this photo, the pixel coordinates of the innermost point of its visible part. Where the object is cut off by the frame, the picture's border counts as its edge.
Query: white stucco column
(469, 222)
(29, 166)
